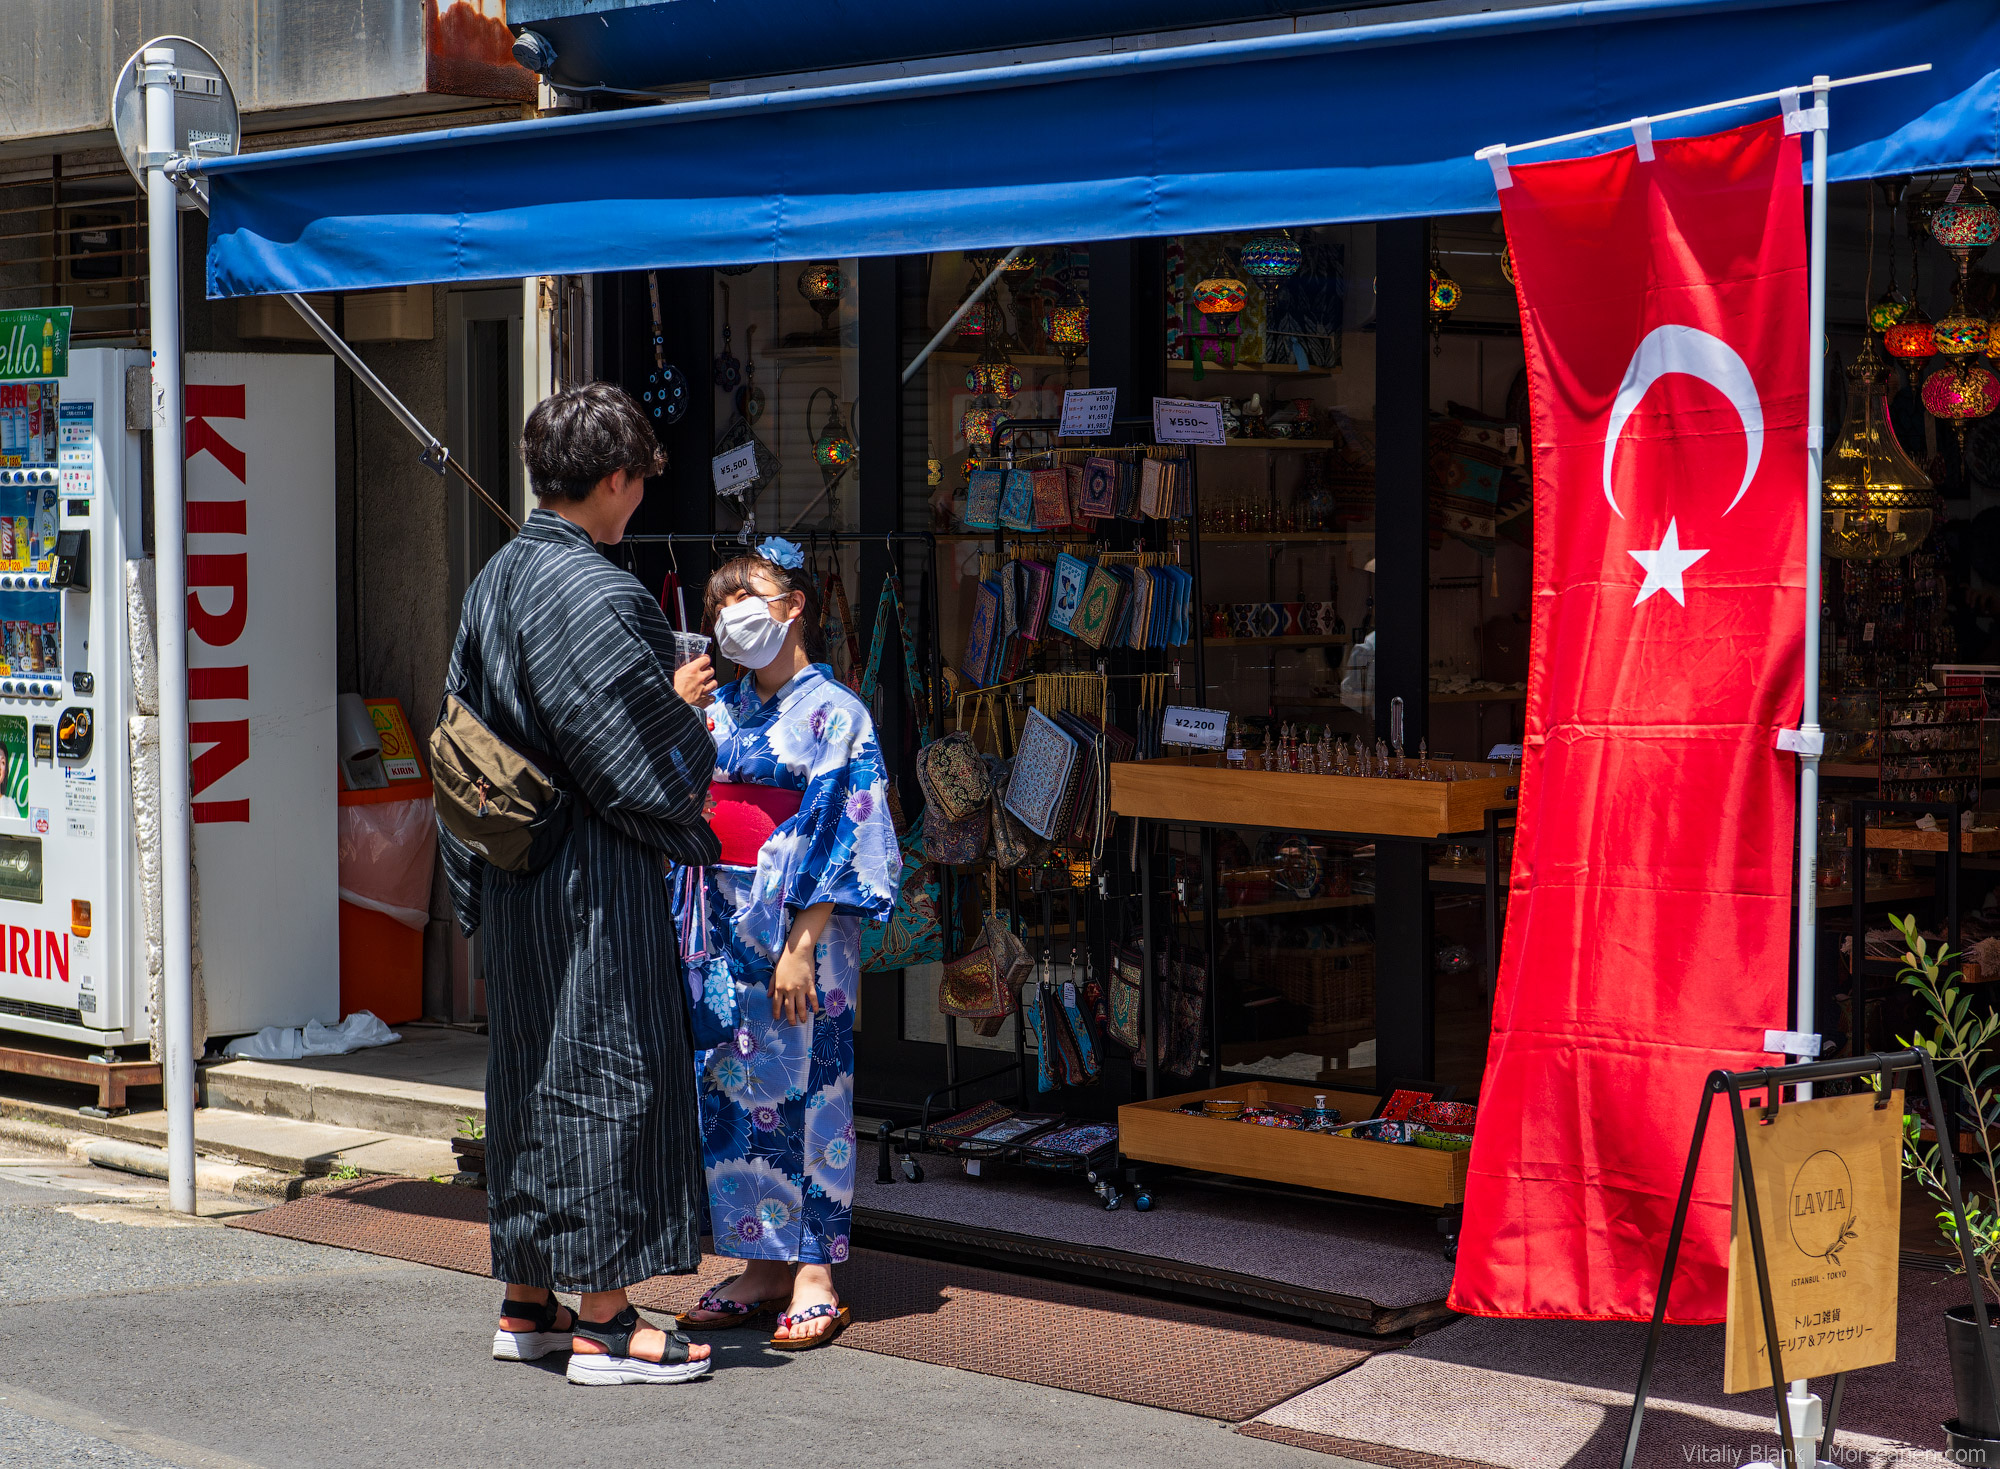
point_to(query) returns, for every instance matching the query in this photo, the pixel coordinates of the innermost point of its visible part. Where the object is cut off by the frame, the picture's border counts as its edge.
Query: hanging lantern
(983, 261)
(1961, 334)
(993, 375)
(1889, 310)
(1875, 503)
(822, 284)
(1271, 258)
(1507, 263)
(1960, 394)
(1445, 295)
(1219, 299)
(1911, 340)
(1965, 223)
(978, 425)
(1068, 331)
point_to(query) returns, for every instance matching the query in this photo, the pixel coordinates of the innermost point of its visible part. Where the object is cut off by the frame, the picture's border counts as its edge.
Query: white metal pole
(170, 568)
(1804, 1407)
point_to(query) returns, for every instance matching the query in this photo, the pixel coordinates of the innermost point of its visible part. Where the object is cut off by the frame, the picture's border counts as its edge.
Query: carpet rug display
(1368, 1270)
(1188, 1359)
(1557, 1394)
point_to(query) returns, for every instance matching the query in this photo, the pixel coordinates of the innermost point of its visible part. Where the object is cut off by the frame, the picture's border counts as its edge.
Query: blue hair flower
(781, 552)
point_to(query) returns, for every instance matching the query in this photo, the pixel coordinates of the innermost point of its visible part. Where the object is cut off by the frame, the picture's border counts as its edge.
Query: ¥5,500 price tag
(1186, 421)
(1207, 728)
(737, 467)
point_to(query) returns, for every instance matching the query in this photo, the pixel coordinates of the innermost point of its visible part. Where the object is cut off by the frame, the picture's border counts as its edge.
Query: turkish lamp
(983, 261)
(1445, 296)
(1959, 394)
(1875, 504)
(1268, 259)
(978, 426)
(1068, 331)
(1219, 299)
(1965, 223)
(993, 374)
(822, 284)
(1889, 310)
(1961, 335)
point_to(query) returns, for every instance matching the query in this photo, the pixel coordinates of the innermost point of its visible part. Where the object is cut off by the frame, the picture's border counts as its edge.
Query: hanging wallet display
(1044, 774)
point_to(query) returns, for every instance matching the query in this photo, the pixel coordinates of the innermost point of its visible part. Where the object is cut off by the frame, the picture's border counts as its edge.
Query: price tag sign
(737, 467)
(1208, 728)
(1087, 412)
(1186, 421)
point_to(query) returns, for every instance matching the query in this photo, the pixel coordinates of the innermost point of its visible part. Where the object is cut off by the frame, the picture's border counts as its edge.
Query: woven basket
(1336, 986)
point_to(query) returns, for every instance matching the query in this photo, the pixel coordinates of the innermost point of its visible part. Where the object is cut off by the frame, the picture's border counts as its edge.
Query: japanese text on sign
(1187, 421)
(1087, 412)
(737, 467)
(1204, 727)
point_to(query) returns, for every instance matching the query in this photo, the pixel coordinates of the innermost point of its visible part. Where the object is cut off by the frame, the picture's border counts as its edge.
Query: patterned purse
(914, 933)
(1044, 778)
(1122, 1023)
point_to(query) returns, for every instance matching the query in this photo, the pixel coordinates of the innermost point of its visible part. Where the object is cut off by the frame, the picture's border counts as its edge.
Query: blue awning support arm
(1495, 156)
(959, 315)
(436, 453)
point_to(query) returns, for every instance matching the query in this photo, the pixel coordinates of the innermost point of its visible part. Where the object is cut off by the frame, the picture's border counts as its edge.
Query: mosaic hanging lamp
(1889, 310)
(983, 261)
(993, 374)
(822, 284)
(1912, 341)
(1271, 258)
(1966, 223)
(1445, 296)
(1068, 331)
(1220, 300)
(1958, 395)
(1875, 504)
(978, 426)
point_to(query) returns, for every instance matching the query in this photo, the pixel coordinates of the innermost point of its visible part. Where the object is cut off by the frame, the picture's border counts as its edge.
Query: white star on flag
(1665, 566)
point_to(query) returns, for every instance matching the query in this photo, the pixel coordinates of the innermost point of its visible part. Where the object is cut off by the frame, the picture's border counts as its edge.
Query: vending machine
(75, 721)
(69, 520)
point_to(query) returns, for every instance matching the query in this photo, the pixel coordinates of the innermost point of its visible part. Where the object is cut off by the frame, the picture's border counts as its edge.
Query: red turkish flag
(1664, 304)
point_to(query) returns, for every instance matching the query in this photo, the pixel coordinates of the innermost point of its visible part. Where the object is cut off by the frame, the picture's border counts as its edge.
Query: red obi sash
(742, 815)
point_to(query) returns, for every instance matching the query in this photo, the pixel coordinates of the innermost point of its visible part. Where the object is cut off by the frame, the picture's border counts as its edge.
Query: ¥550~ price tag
(1207, 728)
(1187, 421)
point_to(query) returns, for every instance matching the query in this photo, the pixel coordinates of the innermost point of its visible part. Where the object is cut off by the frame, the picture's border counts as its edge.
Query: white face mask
(747, 633)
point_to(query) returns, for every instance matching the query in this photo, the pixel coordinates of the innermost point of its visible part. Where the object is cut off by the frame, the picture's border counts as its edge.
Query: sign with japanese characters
(1828, 1177)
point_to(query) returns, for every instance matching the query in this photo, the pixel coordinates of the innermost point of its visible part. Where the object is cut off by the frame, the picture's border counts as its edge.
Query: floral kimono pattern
(777, 1100)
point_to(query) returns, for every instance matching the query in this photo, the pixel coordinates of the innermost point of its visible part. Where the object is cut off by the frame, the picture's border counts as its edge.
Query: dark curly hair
(737, 576)
(576, 438)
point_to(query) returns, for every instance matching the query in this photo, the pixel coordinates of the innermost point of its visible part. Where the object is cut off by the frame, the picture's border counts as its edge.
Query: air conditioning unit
(399, 314)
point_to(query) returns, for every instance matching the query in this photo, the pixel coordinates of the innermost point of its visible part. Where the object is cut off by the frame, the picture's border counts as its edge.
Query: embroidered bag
(1044, 775)
(983, 637)
(1017, 501)
(1098, 608)
(1071, 573)
(1124, 1003)
(914, 933)
(1051, 499)
(1100, 488)
(982, 500)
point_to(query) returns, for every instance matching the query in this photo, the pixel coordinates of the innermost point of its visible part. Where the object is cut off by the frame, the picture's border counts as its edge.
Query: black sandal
(528, 1346)
(616, 1364)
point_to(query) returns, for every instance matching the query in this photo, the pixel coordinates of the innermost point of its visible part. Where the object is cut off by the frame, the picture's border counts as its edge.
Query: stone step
(421, 1087)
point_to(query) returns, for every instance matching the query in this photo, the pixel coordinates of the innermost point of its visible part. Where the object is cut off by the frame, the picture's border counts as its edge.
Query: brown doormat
(1347, 1448)
(1162, 1354)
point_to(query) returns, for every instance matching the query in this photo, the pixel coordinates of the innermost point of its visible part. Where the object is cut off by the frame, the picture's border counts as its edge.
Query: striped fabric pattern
(593, 1154)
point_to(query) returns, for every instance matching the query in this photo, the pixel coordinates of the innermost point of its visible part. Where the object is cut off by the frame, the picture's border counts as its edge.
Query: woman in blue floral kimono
(809, 853)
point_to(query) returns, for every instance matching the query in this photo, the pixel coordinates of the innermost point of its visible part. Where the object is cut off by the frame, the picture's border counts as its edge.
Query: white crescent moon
(1698, 354)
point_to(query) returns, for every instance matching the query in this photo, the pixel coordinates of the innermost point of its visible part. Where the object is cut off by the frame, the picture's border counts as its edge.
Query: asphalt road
(131, 1339)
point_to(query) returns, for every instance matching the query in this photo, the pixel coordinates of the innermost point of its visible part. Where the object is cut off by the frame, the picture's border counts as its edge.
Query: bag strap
(890, 605)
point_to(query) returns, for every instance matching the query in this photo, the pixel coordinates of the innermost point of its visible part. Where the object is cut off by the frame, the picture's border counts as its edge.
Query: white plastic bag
(274, 1043)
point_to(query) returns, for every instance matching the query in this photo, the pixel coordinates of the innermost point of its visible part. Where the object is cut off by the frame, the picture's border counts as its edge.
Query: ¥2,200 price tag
(1087, 412)
(1207, 728)
(1187, 421)
(737, 467)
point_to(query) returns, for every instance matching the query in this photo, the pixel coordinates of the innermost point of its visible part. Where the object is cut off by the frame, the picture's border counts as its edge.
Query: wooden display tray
(1198, 789)
(1158, 1132)
(1909, 839)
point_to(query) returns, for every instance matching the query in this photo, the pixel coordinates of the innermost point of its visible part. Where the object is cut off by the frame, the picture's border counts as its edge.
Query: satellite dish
(205, 116)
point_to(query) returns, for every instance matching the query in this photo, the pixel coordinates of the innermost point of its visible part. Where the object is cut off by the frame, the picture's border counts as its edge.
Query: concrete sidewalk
(420, 1087)
(136, 1339)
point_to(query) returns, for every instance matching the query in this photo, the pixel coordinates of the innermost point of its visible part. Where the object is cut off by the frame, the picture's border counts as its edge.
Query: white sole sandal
(615, 1366)
(531, 1346)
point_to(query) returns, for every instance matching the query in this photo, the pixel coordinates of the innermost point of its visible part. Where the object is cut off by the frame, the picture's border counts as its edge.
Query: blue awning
(1372, 122)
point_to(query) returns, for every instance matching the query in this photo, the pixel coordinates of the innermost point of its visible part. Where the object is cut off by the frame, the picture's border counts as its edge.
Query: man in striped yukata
(593, 1149)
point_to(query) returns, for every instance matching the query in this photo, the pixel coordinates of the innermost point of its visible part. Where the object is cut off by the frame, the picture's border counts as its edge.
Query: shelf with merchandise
(1202, 789)
(1285, 640)
(1254, 369)
(1287, 537)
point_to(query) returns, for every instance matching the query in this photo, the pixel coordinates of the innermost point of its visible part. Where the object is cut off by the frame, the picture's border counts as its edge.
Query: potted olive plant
(1961, 1044)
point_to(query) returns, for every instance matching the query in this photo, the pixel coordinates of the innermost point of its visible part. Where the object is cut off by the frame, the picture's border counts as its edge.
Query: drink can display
(7, 551)
(50, 398)
(51, 647)
(20, 651)
(33, 451)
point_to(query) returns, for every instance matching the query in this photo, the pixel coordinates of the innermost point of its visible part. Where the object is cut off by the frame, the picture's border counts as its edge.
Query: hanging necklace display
(728, 371)
(750, 397)
(665, 395)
